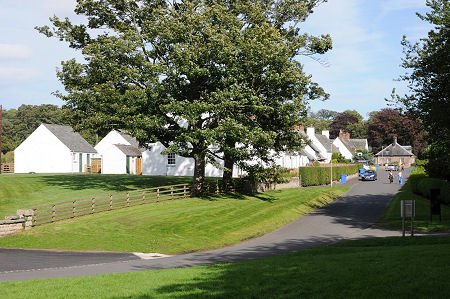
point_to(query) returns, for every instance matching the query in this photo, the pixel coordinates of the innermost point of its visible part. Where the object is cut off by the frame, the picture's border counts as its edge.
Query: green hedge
(316, 176)
(426, 184)
(445, 193)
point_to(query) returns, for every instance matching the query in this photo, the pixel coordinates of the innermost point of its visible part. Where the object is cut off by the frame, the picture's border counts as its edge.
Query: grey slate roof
(353, 144)
(394, 149)
(131, 140)
(310, 156)
(71, 139)
(129, 150)
(326, 142)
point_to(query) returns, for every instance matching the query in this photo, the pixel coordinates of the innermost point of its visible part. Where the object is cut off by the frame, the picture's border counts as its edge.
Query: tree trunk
(227, 178)
(199, 175)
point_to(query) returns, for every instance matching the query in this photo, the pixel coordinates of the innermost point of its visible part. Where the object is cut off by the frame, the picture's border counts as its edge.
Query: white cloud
(14, 51)
(13, 75)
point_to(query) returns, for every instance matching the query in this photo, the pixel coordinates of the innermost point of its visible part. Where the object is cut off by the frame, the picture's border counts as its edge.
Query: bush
(445, 193)
(424, 185)
(316, 176)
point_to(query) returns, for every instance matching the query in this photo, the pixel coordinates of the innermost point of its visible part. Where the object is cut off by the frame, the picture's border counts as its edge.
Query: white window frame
(171, 160)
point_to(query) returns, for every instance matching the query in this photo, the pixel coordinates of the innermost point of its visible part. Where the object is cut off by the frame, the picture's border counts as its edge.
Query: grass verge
(391, 216)
(22, 191)
(416, 267)
(178, 226)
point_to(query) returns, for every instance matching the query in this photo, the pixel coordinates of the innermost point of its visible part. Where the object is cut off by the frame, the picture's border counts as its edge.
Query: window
(171, 159)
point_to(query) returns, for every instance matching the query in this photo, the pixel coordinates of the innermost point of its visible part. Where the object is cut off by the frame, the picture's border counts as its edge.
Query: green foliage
(19, 124)
(428, 80)
(198, 76)
(338, 158)
(316, 176)
(424, 185)
(409, 191)
(362, 154)
(8, 157)
(445, 193)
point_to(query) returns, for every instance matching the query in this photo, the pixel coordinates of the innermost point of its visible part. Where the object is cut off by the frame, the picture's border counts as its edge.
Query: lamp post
(331, 163)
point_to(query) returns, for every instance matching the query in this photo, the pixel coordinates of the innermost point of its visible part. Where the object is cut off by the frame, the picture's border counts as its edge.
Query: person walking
(400, 177)
(391, 177)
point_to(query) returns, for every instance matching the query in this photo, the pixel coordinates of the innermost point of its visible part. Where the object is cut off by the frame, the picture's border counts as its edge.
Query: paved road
(349, 217)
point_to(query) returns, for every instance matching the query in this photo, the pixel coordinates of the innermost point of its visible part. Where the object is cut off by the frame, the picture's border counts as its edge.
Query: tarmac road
(349, 217)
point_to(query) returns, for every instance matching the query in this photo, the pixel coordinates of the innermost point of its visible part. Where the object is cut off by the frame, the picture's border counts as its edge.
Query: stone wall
(17, 223)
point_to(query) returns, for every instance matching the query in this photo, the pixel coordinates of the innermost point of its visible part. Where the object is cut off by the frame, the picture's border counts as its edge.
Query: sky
(358, 72)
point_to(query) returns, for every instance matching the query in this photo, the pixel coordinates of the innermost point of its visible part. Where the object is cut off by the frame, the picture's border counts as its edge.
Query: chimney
(302, 129)
(326, 133)
(310, 131)
(395, 140)
(343, 134)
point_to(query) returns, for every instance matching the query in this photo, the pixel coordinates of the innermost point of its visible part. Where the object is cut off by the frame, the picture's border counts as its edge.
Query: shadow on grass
(110, 182)
(324, 272)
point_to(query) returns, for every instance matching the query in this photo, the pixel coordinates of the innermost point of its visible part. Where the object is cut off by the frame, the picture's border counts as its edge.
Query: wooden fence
(95, 204)
(7, 168)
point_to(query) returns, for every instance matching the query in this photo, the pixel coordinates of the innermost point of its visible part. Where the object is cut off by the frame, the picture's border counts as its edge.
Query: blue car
(369, 175)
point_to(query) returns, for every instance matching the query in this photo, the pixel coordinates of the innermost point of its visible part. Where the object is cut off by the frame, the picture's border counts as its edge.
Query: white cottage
(348, 146)
(120, 154)
(53, 149)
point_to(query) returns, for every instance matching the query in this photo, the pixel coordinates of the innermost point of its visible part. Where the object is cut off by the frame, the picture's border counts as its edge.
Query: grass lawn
(20, 191)
(391, 216)
(178, 226)
(416, 267)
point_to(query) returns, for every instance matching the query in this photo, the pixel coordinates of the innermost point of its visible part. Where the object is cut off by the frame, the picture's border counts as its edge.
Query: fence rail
(96, 204)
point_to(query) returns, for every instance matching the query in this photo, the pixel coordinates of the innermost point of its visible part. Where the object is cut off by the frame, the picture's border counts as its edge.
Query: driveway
(349, 217)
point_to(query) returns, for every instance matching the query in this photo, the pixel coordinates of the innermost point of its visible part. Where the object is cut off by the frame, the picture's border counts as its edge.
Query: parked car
(393, 167)
(369, 175)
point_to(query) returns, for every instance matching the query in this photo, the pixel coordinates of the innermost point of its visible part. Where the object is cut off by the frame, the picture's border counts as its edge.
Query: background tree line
(379, 128)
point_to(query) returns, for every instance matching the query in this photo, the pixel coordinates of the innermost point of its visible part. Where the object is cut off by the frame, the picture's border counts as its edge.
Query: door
(139, 166)
(80, 160)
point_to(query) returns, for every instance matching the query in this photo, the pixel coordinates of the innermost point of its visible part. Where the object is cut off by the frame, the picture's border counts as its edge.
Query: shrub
(424, 185)
(315, 176)
(445, 193)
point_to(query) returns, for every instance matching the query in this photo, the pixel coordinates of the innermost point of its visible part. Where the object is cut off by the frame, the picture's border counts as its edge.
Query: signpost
(408, 209)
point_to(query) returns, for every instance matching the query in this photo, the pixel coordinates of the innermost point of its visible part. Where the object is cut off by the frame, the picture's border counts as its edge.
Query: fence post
(171, 192)
(143, 195)
(157, 194)
(217, 187)
(73, 208)
(92, 205)
(33, 219)
(128, 199)
(53, 213)
(110, 201)
(184, 191)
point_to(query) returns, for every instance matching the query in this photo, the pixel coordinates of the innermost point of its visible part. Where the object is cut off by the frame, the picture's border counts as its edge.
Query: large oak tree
(207, 79)
(428, 78)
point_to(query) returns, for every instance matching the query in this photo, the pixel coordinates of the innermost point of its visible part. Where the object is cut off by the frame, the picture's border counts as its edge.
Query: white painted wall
(155, 163)
(43, 152)
(115, 161)
(342, 148)
(310, 132)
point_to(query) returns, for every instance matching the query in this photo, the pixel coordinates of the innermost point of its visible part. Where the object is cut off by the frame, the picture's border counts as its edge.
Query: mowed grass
(416, 267)
(21, 191)
(391, 216)
(178, 226)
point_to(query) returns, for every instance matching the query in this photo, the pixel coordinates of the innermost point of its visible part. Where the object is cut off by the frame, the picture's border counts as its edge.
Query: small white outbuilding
(53, 149)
